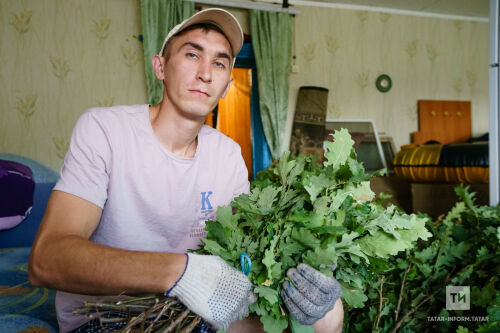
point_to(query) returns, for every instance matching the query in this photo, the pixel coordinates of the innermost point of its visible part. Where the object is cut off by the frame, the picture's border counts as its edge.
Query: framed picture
(389, 149)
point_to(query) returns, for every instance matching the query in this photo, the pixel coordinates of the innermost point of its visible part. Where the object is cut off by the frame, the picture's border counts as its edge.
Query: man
(139, 181)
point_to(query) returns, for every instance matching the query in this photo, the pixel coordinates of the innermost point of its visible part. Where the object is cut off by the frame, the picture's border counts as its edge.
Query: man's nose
(205, 72)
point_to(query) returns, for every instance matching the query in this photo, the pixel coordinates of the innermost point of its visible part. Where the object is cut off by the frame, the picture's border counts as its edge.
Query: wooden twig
(176, 321)
(380, 303)
(401, 293)
(156, 299)
(145, 314)
(166, 306)
(413, 310)
(148, 313)
(191, 325)
(112, 320)
(448, 279)
(142, 316)
(110, 306)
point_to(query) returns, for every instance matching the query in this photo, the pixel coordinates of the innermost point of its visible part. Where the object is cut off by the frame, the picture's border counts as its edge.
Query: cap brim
(218, 17)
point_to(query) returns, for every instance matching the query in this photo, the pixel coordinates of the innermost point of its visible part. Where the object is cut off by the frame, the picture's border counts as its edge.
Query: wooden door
(233, 114)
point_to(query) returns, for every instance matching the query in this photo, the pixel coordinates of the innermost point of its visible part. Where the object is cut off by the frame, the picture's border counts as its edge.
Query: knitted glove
(310, 295)
(212, 289)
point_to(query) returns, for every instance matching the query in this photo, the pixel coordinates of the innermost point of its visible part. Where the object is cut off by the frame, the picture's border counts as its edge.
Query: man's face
(198, 72)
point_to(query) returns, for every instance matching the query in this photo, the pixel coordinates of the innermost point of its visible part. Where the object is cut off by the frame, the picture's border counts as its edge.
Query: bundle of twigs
(146, 314)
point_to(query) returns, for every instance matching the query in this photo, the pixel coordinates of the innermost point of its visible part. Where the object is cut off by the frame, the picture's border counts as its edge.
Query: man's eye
(219, 64)
(191, 55)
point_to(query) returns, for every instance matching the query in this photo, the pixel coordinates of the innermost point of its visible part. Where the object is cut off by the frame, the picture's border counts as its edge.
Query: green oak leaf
(320, 256)
(305, 237)
(316, 185)
(383, 245)
(226, 217)
(339, 150)
(267, 196)
(354, 297)
(273, 325)
(270, 294)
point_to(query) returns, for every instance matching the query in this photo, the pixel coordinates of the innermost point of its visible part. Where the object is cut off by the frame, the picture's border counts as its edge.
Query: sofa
(24, 308)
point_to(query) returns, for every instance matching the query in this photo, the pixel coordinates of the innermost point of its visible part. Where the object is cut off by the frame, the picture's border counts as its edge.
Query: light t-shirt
(151, 199)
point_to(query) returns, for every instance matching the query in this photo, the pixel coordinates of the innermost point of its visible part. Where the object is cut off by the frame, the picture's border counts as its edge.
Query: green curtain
(158, 18)
(271, 40)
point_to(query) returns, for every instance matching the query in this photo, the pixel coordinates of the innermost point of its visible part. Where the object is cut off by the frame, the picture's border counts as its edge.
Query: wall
(427, 58)
(58, 58)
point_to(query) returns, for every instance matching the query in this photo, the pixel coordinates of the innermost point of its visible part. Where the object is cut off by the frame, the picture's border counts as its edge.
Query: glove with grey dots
(215, 291)
(310, 295)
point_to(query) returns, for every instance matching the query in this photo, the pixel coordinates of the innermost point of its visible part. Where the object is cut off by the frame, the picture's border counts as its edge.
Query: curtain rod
(250, 5)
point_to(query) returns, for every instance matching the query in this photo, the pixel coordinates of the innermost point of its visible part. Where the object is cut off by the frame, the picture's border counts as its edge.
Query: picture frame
(389, 150)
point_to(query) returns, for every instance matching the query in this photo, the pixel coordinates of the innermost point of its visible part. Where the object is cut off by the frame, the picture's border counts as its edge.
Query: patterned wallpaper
(58, 58)
(427, 58)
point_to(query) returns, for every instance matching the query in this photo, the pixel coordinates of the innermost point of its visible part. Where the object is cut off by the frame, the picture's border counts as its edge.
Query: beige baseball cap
(218, 17)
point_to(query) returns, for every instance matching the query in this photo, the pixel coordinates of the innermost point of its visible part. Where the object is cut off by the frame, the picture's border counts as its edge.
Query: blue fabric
(22, 305)
(260, 150)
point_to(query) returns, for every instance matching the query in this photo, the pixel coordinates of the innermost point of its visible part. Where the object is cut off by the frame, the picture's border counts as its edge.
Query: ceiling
(470, 8)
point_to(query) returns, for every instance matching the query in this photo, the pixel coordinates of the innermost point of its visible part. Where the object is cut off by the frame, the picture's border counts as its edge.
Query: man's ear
(158, 65)
(227, 88)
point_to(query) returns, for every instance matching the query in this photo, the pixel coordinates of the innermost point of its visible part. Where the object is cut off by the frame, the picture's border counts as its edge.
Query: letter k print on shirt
(207, 212)
(205, 200)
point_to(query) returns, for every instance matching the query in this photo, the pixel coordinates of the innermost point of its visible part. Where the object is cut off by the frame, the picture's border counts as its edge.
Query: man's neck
(175, 132)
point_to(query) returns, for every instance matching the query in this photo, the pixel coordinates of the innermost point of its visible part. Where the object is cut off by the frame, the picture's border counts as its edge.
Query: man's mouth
(199, 92)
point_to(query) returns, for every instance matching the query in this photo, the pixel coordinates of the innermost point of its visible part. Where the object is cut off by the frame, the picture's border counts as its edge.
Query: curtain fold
(271, 40)
(158, 17)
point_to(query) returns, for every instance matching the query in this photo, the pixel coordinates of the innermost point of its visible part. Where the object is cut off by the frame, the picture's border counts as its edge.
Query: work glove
(212, 289)
(310, 295)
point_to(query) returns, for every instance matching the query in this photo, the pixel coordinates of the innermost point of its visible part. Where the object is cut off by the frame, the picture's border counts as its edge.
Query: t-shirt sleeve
(85, 172)
(242, 185)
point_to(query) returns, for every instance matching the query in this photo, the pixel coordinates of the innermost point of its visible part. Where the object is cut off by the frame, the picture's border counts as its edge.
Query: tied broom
(147, 314)
(300, 211)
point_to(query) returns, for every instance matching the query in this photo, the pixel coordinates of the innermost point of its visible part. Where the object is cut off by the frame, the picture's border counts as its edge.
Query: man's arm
(63, 258)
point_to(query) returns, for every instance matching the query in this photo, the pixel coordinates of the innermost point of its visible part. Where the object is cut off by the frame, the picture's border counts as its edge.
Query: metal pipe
(250, 5)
